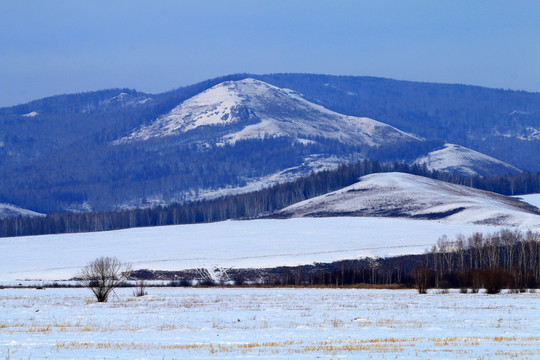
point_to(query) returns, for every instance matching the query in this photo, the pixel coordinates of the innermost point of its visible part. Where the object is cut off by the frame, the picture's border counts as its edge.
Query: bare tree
(460, 248)
(103, 275)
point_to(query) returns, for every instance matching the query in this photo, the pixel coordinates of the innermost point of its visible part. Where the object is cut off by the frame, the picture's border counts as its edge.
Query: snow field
(533, 199)
(268, 323)
(228, 244)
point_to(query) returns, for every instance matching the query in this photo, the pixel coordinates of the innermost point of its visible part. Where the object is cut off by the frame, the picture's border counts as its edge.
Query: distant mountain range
(121, 148)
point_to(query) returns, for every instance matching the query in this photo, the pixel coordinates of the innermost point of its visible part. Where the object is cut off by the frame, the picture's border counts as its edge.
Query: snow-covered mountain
(410, 196)
(461, 160)
(234, 111)
(9, 211)
(231, 135)
(255, 109)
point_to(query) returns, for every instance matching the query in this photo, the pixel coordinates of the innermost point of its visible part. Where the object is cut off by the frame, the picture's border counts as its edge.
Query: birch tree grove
(506, 258)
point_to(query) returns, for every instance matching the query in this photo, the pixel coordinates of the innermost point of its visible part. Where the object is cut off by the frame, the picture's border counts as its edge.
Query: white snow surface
(456, 158)
(228, 244)
(533, 199)
(272, 323)
(31, 114)
(530, 134)
(406, 195)
(7, 211)
(274, 112)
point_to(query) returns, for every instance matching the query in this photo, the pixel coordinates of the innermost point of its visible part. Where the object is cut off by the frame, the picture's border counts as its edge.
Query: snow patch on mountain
(264, 110)
(530, 134)
(462, 160)
(31, 114)
(411, 196)
(10, 211)
(125, 99)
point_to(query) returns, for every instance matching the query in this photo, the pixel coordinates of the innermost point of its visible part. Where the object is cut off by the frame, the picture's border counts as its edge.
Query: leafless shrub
(103, 275)
(140, 290)
(493, 280)
(422, 278)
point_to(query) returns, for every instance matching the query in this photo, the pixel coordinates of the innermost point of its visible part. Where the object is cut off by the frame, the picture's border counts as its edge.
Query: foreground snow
(238, 244)
(268, 323)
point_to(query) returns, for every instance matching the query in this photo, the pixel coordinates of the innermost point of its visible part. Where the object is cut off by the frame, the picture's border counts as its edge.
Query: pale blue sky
(54, 47)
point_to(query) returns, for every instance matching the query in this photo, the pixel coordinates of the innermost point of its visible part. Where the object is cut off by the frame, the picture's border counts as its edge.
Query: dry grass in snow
(269, 323)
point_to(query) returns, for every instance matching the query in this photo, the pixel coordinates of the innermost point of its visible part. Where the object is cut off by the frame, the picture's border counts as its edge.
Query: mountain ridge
(273, 112)
(65, 157)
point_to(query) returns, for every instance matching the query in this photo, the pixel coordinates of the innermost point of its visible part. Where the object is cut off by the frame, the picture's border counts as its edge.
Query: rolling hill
(461, 160)
(409, 196)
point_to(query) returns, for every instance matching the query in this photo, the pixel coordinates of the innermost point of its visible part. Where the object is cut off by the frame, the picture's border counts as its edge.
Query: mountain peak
(260, 110)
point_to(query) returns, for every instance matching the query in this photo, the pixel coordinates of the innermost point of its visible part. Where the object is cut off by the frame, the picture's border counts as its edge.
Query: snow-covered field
(533, 199)
(195, 323)
(228, 244)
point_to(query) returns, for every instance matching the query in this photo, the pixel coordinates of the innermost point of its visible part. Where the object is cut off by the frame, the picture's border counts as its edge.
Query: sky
(56, 47)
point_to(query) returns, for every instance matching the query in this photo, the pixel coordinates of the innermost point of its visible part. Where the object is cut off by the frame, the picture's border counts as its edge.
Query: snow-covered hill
(461, 160)
(9, 211)
(410, 196)
(255, 109)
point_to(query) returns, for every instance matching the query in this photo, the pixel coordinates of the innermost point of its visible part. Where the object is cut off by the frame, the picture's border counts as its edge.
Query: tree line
(249, 205)
(504, 259)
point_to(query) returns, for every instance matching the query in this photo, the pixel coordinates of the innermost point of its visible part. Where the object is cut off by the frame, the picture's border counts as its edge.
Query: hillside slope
(461, 160)
(501, 123)
(410, 196)
(10, 211)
